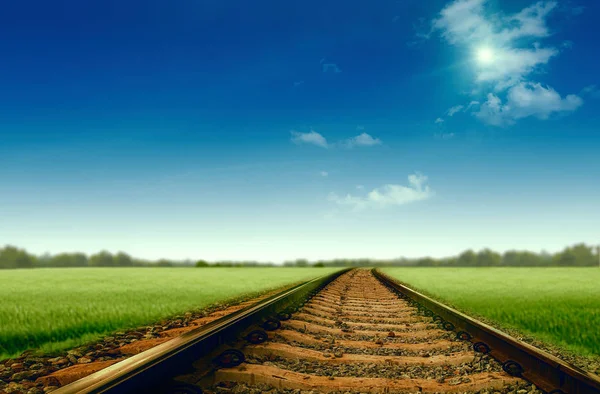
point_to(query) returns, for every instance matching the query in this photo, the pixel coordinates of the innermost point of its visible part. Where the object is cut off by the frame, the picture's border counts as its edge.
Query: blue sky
(272, 130)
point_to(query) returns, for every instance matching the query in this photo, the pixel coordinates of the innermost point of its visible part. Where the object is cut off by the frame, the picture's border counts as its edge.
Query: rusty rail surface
(152, 370)
(518, 358)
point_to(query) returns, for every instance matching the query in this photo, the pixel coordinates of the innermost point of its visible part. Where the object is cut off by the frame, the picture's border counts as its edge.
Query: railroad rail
(151, 371)
(351, 331)
(517, 357)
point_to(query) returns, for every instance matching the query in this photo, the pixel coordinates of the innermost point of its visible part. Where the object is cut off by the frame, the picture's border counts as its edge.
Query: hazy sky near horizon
(272, 130)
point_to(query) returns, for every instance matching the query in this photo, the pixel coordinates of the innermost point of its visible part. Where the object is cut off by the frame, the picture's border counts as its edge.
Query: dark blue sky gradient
(163, 129)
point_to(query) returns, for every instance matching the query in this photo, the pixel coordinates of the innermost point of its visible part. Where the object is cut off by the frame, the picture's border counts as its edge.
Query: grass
(559, 306)
(52, 309)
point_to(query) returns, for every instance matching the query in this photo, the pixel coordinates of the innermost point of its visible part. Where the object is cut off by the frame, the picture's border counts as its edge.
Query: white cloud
(524, 100)
(512, 65)
(317, 139)
(324, 173)
(591, 90)
(329, 66)
(455, 109)
(473, 103)
(309, 138)
(464, 22)
(567, 44)
(529, 22)
(439, 120)
(532, 99)
(360, 187)
(388, 195)
(514, 53)
(363, 139)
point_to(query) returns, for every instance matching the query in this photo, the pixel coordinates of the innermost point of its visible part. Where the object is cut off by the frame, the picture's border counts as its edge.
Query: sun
(485, 55)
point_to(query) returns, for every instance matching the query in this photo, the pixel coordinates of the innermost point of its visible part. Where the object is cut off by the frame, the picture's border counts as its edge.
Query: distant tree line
(13, 257)
(579, 255)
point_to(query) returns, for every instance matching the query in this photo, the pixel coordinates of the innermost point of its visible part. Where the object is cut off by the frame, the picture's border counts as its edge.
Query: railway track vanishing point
(354, 331)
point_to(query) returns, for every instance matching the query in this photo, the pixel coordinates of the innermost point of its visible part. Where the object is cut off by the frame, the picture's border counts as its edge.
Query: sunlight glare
(485, 55)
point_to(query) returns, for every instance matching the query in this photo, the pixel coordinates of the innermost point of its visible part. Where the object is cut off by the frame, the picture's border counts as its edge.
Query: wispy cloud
(422, 32)
(363, 139)
(439, 120)
(311, 137)
(455, 109)
(512, 54)
(314, 138)
(591, 91)
(298, 83)
(567, 44)
(324, 173)
(329, 66)
(473, 103)
(523, 100)
(388, 195)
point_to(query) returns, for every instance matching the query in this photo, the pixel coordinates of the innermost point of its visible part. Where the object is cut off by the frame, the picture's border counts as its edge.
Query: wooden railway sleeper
(184, 388)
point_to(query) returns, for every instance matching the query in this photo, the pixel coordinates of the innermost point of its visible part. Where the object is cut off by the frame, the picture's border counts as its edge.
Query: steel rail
(518, 358)
(153, 369)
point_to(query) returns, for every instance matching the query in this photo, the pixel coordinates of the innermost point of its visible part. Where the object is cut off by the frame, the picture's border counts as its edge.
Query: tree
(80, 260)
(576, 255)
(510, 258)
(61, 260)
(13, 257)
(426, 262)
(488, 258)
(201, 263)
(319, 265)
(140, 263)
(69, 260)
(514, 258)
(584, 255)
(449, 262)
(301, 263)
(164, 263)
(102, 259)
(564, 258)
(545, 258)
(530, 259)
(468, 258)
(44, 260)
(123, 260)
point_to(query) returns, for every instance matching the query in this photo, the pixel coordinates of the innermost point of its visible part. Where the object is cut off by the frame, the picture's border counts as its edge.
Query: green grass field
(560, 306)
(50, 309)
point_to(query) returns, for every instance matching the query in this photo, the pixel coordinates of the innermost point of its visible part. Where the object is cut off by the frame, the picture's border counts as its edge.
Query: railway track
(357, 332)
